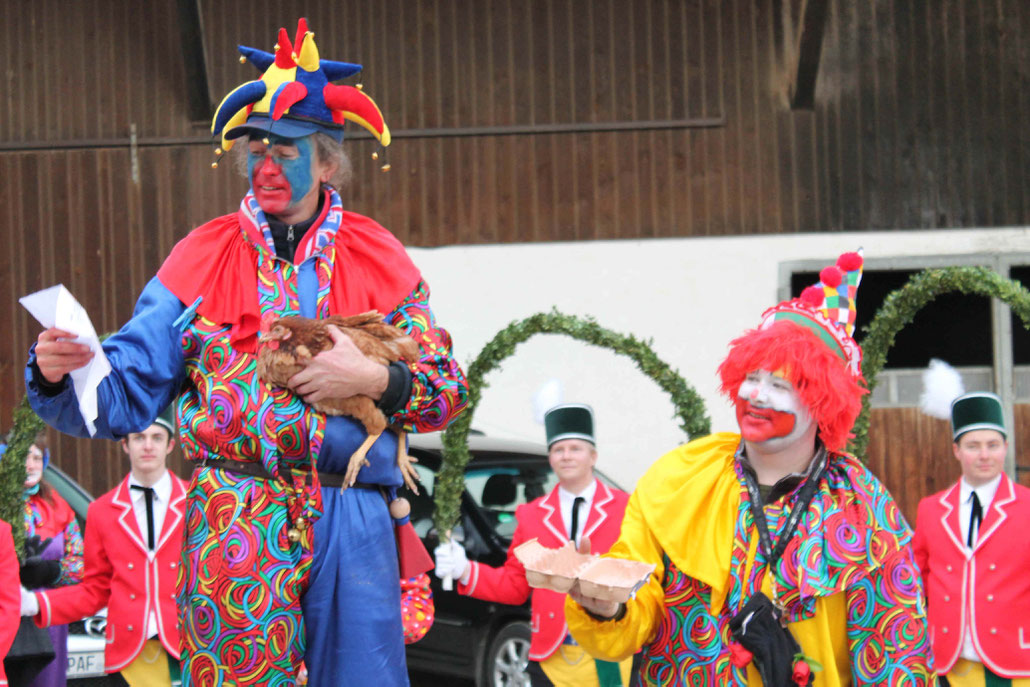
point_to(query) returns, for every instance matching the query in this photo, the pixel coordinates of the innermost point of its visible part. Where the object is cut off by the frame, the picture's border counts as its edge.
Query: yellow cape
(685, 507)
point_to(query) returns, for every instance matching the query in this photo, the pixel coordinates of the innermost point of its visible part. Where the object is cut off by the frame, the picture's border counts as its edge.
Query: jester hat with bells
(295, 97)
(809, 341)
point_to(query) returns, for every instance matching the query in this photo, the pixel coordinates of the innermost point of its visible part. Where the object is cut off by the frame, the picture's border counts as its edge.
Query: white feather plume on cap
(550, 394)
(942, 384)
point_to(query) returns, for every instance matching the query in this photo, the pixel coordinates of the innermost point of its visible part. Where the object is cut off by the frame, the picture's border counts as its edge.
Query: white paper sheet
(57, 307)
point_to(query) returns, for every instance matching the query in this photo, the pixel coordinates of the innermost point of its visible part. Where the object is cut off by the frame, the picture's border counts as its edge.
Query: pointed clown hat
(295, 95)
(827, 308)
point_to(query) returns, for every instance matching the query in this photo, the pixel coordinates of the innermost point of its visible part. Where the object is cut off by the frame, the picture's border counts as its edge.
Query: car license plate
(86, 664)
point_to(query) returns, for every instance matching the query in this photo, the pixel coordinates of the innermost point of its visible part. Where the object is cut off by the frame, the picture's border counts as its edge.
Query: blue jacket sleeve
(147, 372)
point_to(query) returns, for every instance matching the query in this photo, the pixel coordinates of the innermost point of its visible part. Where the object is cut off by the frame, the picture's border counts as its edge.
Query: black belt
(328, 479)
(249, 468)
(255, 469)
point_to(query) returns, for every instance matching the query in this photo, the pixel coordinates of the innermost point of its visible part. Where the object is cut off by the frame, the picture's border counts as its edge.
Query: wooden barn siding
(1021, 432)
(911, 454)
(917, 120)
(917, 123)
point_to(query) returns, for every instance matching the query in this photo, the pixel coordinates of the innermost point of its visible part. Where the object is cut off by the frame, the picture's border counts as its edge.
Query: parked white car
(86, 649)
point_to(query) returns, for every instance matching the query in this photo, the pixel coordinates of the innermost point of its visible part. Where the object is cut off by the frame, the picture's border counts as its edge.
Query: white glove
(451, 560)
(29, 604)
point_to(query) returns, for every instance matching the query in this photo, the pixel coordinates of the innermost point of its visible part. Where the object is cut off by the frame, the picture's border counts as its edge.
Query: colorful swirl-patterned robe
(848, 579)
(194, 332)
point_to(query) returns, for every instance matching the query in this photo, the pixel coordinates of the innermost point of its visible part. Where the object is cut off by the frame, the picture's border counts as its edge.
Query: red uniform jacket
(10, 599)
(123, 574)
(542, 519)
(988, 587)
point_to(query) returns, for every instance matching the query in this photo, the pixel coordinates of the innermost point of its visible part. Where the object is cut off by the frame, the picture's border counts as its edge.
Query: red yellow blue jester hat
(809, 340)
(295, 97)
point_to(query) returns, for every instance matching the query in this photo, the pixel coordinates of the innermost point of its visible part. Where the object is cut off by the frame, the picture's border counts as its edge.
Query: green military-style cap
(569, 421)
(976, 410)
(167, 419)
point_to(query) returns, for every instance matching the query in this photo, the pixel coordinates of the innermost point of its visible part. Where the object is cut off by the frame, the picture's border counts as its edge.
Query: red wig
(833, 397)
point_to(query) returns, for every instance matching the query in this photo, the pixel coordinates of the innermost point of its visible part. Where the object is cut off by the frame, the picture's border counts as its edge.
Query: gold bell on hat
(293, 534)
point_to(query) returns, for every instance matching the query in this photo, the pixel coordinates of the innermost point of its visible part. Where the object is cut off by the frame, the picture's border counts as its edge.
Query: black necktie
(148, 492)
(976, 516)
(575, 516)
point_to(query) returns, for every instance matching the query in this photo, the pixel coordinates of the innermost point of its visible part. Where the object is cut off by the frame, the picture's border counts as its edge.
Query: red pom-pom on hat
(849, 262)
(831, 276)
(812, 296)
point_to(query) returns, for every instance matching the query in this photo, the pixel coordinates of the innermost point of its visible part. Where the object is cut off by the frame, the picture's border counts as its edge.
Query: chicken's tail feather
(362, 320)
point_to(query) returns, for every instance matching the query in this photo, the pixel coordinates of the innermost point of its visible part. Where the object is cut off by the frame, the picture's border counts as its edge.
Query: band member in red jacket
(972, 548)
(9, 602)
(133, 547)
(580, 507)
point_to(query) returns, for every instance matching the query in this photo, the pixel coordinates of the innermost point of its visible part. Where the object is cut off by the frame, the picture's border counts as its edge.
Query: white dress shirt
(985, 493)
(565, 501)
(162, 496)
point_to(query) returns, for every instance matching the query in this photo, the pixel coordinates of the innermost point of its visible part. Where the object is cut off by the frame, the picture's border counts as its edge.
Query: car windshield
(499, 490)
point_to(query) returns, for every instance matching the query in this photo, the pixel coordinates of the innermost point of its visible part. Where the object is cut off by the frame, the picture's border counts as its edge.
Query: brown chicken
(292, 341)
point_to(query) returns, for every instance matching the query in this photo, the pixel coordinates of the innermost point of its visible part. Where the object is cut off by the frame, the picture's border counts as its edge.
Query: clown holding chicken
(275, 552)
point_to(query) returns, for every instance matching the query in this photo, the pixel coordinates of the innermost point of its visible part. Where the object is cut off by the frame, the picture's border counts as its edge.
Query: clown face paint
(284, 177)
(769, 410)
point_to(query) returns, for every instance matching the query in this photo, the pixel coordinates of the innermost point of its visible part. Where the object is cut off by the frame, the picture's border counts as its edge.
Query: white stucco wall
(691, 296)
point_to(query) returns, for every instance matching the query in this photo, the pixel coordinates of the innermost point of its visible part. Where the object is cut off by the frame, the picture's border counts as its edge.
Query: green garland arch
(901, 306)
(449, 482)
(12, 470)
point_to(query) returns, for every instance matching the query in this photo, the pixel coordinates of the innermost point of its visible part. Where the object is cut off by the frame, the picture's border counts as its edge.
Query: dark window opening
(1020, 335)
(954, 327)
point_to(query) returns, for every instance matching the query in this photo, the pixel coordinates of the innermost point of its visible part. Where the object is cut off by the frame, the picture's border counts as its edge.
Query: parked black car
(478, 640)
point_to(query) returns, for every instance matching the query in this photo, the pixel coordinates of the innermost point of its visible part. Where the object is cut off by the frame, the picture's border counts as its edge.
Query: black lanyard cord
(771, 554)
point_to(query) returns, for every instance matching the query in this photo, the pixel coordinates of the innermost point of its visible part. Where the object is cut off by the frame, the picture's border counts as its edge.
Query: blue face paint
(296, 169)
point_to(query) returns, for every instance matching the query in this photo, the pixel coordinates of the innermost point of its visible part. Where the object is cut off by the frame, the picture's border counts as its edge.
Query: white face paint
(770, 390)
(770, 411)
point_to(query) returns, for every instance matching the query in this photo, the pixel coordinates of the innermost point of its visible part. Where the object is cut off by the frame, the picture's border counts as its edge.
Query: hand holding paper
(68, 328)
(58, 354)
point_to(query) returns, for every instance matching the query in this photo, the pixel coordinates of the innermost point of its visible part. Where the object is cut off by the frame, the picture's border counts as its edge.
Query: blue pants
(352, 608)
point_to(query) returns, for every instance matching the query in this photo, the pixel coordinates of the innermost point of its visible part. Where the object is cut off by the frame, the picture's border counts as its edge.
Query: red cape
(216, 262)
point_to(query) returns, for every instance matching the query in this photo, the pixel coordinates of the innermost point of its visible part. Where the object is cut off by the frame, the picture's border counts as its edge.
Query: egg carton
(565, 569)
